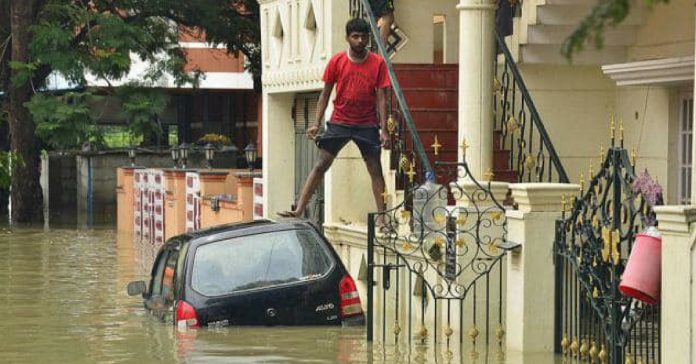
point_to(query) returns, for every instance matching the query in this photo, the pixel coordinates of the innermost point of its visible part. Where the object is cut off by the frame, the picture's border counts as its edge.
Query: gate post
(678, 294)
(530, 270)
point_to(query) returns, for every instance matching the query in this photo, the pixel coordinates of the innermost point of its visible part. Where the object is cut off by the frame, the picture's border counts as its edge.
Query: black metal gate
(306, 154)
(436, 270)
(594, 321)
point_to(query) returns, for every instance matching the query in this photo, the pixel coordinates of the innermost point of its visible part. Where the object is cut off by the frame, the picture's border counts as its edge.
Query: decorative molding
(675, 218)
(653, 72)
(297, 78)
(541, 197)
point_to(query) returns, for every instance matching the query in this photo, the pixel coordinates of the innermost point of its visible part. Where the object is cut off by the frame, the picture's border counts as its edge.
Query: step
(432, 98)
(550, 54)
(573, 14)
(624, 35)
(428, 78)
(501, 159)
(439, 118)
(505, 175)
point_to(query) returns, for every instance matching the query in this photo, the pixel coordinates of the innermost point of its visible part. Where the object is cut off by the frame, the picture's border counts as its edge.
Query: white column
(476, 52)
(678, 294)
(530, 270)
(278, 136)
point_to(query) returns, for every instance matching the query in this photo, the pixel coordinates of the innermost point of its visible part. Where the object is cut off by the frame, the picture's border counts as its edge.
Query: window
(258, 261)
(157, 273)
(685, 147)
(168, 280)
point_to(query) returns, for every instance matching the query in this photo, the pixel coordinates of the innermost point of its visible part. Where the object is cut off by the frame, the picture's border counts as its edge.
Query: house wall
(650, 127)
(415, 19)
(667, 31)
(575, 104)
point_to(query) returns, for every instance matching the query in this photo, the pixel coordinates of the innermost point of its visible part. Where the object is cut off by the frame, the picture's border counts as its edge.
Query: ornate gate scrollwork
(594, 321)
(440, 267)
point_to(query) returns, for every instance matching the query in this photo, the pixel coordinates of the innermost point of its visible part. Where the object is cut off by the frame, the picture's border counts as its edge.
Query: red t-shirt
(356, 85)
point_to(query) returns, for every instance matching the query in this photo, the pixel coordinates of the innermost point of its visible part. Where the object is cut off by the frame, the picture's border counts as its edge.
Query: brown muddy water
(63, 300)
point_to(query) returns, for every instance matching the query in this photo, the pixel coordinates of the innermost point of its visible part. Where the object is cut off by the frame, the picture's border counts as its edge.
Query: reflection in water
(64, 300)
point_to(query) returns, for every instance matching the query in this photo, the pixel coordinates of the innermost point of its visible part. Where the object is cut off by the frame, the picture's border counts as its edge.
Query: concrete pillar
(476, 52)
(279, 153)
(530, 270)
(175, 202)
(213, 183)
(124, 200)
(678, 294)
(245, 193)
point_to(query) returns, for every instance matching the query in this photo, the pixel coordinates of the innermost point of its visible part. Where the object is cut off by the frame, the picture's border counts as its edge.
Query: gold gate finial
(391, 124)
(411, 172)
(488, 176)
(464, 147)
(612, 129)
(436, 146)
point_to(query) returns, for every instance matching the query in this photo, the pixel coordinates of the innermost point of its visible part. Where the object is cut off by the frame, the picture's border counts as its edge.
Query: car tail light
(349, 298)
(186, 315)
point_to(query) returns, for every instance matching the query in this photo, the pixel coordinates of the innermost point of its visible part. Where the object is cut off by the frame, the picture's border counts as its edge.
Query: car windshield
(257, 261)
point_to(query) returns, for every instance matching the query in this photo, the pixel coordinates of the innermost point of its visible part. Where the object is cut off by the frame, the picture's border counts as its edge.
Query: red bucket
(641, 278)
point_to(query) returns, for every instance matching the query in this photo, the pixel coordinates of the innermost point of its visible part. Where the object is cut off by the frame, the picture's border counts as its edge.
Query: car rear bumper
(358, 320)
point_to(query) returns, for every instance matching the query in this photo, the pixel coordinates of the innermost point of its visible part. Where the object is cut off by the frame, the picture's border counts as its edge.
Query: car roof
(227, 231)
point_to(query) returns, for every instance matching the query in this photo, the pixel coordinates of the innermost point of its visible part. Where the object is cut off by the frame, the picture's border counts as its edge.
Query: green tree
(101, 38)
(591, 30)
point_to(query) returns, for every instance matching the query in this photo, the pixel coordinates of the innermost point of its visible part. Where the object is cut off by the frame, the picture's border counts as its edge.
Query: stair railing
(522, 133)
(361, 9)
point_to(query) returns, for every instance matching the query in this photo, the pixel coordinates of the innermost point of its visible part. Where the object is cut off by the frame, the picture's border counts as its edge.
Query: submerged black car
(258, 273)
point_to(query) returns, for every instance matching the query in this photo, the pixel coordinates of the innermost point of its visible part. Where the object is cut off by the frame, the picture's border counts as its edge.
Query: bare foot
(286, 214)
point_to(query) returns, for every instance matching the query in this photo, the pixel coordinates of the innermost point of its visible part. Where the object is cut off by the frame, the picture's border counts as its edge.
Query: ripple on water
(64, 301)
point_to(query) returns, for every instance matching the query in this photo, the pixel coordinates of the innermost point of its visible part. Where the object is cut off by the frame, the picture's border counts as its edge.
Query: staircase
(431, 91)
(544, 24)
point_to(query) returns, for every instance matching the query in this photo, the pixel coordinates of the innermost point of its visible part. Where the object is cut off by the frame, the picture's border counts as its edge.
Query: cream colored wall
(279, 147)
(415, 18)
(574, 103)
(646, 113)
(668, 31)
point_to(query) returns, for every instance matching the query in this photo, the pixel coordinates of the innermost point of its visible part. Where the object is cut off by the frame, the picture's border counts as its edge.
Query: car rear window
(258, 261)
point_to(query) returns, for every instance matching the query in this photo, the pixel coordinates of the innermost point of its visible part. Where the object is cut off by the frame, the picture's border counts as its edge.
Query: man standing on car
(384, 13)
(362, 81)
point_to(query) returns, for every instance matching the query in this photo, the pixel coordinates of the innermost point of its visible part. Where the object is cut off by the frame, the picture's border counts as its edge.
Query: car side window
(158, 273)
(168, 277)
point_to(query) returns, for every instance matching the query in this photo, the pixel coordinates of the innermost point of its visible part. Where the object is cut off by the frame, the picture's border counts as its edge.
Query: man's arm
(321, 109)
(382, 111)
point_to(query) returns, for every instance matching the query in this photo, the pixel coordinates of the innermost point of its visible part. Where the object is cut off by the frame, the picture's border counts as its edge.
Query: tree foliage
(591, 30)
(100, 40)
(65, 121)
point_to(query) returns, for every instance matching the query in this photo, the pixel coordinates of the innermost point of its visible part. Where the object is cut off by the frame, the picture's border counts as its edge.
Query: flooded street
(64, 300)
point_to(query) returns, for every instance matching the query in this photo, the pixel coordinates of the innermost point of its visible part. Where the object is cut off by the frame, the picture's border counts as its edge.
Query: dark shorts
(336, 136)
(382, 7)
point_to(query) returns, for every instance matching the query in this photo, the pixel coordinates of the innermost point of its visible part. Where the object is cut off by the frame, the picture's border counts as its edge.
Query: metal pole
(370, 273)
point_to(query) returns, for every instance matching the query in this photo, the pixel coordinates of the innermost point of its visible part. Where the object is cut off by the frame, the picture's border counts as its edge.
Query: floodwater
(63, 300)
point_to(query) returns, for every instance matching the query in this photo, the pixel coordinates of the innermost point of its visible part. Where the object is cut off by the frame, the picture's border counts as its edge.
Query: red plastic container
(641, 278)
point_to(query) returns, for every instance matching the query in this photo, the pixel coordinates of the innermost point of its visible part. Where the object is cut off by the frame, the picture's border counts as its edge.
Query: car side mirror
(137, 287)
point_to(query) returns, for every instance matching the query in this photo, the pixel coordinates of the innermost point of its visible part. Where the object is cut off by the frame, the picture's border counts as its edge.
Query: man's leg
(385, 24)
(315, 175)
(374, 168)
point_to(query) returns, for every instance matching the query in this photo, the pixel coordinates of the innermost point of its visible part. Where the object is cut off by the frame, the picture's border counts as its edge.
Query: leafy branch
(591, 30)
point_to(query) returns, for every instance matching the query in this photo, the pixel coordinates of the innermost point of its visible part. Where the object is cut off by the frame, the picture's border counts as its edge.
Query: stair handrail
(536, 119)
(398, 92)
